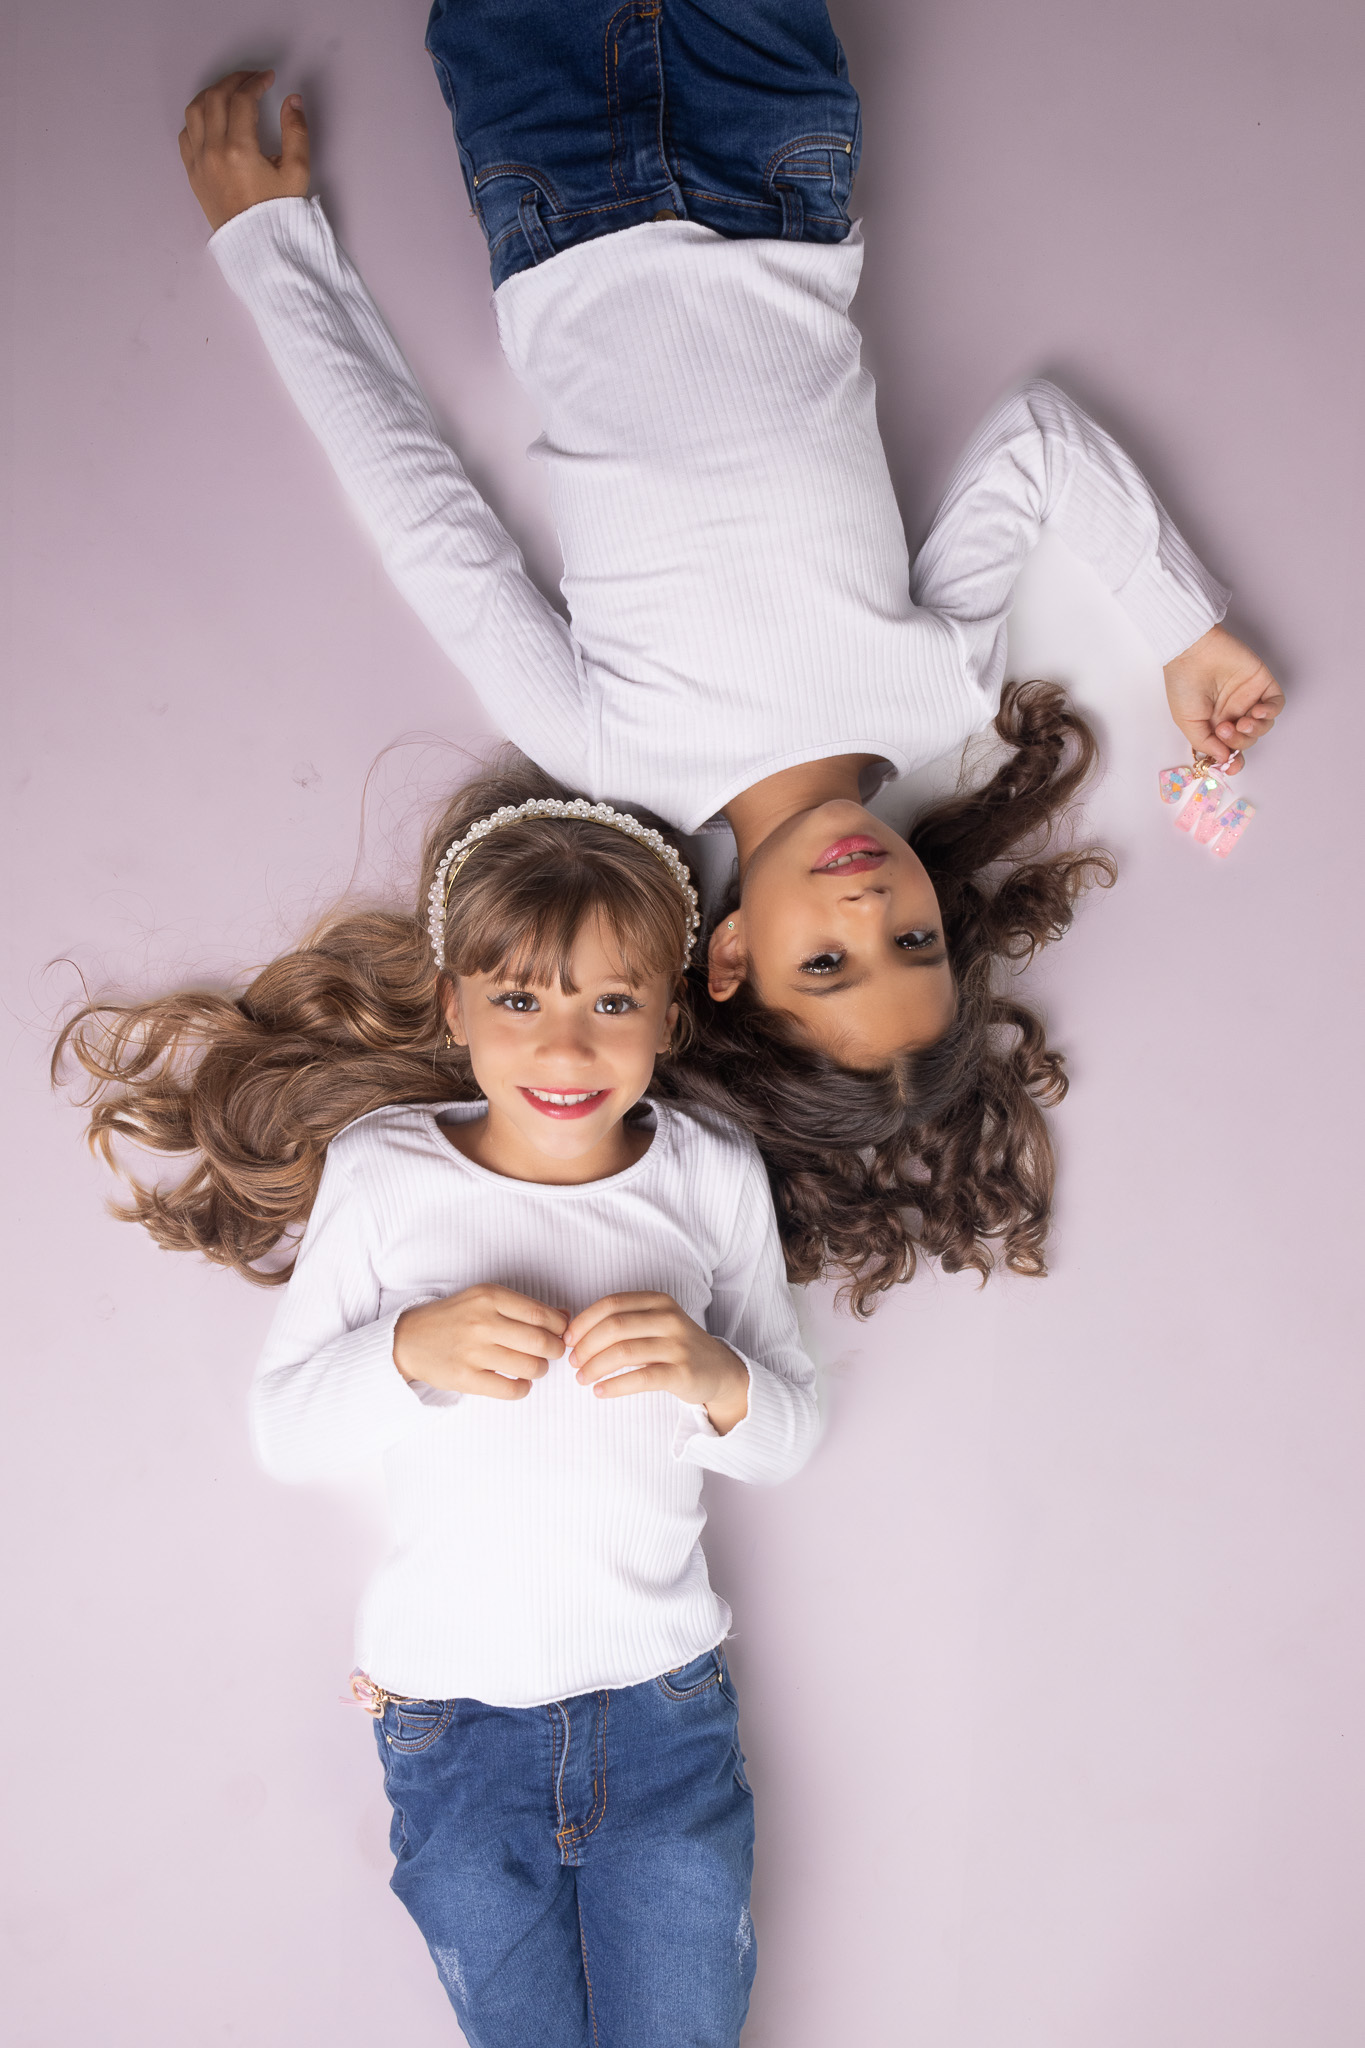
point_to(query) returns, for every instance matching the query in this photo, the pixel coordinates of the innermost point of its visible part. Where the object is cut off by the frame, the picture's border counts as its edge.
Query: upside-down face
(839, 927)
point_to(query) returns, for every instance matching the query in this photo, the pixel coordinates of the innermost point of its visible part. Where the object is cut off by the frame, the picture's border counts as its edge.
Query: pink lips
(865, 854)
(564, 1110)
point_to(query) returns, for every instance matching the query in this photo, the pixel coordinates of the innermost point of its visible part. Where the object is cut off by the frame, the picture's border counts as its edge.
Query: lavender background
(1051, 1664)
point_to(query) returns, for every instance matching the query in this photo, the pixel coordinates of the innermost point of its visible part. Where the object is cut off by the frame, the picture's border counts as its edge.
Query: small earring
(730, 925)
(450, 1042)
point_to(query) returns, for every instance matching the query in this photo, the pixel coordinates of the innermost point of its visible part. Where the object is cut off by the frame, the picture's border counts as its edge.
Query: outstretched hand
(645, 1344)
(1222, 696)
(221, 150)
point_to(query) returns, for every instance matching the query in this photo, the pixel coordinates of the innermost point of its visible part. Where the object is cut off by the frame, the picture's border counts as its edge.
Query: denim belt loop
(793, 212)
(532, 226)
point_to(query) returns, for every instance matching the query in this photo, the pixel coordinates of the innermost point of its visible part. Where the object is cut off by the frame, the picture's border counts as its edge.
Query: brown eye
(823, 963)
(913, 942)
(616, 1006)
(519, 1000)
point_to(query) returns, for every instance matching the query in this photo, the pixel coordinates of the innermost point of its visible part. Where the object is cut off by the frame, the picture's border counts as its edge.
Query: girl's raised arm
(1041, 463)
(451, 558)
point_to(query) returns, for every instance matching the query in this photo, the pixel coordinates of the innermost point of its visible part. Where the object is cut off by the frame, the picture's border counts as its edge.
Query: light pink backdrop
(1051, 1662)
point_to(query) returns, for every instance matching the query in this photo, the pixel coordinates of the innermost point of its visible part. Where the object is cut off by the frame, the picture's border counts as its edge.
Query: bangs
(518, 907)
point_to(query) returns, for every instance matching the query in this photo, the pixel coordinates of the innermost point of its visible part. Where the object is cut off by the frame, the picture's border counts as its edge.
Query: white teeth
(563, 1101)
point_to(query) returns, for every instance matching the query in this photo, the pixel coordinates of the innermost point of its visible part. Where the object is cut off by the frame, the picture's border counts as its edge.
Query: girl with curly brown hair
(664, 191)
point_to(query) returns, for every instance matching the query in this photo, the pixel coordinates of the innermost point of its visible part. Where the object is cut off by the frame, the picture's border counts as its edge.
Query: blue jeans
(577, 117)
(580, 1871)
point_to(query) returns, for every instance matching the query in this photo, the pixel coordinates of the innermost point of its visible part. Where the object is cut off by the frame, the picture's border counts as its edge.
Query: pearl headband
(455, 856)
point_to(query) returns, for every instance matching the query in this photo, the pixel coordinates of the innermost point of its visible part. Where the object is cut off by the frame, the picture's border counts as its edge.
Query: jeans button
(665, 213)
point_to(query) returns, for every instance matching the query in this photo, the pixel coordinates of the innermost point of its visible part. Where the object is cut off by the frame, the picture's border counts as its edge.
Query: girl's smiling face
(561, 1067)
(839, 926)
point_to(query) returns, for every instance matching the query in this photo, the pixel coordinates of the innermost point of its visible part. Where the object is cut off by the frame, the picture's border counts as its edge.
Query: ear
(450, 1006)
(666, 1030)
(727, 962)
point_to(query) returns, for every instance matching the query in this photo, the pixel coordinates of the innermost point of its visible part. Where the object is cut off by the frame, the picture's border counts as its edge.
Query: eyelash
(910, 942)
(510, 998)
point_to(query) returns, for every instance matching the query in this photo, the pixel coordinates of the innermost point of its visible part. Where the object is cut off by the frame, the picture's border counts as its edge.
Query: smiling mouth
(565, 1102)
(850, 856)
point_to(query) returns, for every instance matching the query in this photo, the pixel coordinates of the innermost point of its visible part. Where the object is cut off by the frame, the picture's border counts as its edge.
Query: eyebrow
(839, 988)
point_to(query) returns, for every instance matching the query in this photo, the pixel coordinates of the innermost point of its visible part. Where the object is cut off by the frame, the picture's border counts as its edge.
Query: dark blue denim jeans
(581, 1871)
(577, 117)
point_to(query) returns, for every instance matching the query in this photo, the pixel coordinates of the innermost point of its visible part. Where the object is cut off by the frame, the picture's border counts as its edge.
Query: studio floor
(1051, 1668)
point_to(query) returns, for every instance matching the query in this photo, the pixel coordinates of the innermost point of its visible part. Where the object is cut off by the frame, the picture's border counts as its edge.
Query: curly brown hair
(252, 1088)
(946, 1150)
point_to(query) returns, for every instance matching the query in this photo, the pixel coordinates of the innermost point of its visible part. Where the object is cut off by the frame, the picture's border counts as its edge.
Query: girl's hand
(644, 1344)
(486, 1340)
(1222, 696)
(221, 150)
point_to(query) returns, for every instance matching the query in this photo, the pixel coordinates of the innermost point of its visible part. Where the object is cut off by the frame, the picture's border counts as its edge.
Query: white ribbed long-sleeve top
(548, 1546)
(734, 560)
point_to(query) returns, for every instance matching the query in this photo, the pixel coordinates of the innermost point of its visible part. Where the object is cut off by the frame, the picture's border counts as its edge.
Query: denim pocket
(812, 176)
(691, 1680)
(413, 1725)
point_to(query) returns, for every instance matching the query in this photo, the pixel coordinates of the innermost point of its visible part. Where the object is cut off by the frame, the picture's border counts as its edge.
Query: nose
(870, 897)
(564, 1045)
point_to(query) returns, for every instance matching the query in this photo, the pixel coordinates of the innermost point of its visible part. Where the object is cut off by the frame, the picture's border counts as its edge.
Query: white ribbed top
(735, 564)
(548, 1546)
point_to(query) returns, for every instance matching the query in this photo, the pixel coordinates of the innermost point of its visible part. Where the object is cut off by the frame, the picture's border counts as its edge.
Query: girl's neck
(491, 1141)
(757, 812)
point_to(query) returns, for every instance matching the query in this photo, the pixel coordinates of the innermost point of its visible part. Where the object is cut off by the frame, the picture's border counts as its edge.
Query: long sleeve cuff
(288, 225)
(774, 1439)
(1172, 599)
(339, 1409)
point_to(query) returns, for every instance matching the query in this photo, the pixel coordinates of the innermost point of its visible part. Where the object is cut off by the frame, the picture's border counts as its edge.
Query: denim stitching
(558, 1719)
(637, 13)
(693, 1692)
(580, 213)
(759, 205)
(587, 1973)
(508, 170)
(803, 142)
(410, 1748)
(571, 1835)
(664, 158)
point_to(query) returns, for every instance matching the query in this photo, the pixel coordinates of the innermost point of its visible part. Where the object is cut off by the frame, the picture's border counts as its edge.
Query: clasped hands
(491, 1341)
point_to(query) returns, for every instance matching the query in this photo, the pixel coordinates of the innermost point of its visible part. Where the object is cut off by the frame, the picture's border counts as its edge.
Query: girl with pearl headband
(545, 1302)
(665, 193)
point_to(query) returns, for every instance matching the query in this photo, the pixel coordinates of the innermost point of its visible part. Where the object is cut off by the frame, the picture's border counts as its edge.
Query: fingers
(648, 1379)
(206, 116)
(530, 1320)
(590, 1318)
(636, 1337)
(294, 155)
(1243, 729)
(493, 1386)
(243, 106)
(511, 1360)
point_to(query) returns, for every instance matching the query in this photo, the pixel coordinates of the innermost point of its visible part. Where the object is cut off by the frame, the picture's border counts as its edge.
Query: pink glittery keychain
(1206, 814)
